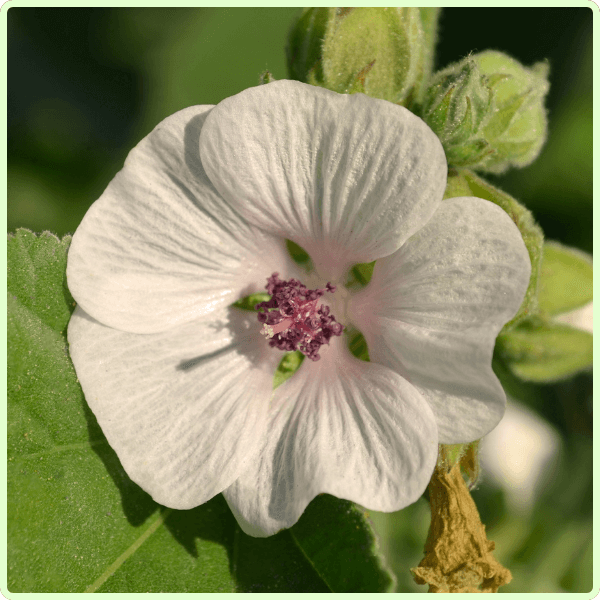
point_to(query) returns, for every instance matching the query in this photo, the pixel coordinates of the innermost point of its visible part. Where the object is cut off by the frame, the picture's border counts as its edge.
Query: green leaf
(465, 183)
(339, 541)
(544, 352)
(77, 523)
(566, 281)
(36, 276)
(334, 536)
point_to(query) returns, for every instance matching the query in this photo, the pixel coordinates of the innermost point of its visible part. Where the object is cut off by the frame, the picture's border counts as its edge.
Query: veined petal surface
(433, 309)
(186, 409)
(160, 247)
(341, 426)
(347, 177)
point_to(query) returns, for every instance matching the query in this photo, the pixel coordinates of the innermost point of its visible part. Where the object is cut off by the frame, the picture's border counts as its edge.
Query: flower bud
(488, 111)
(517, 128)
(456, 106)
(382, 52)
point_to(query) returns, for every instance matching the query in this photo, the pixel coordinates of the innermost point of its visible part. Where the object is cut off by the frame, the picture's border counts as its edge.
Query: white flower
(181, 382)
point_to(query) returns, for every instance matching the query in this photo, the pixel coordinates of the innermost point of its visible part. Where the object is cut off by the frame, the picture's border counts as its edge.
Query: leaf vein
(117, 563)
(310, 562)
(62, 449)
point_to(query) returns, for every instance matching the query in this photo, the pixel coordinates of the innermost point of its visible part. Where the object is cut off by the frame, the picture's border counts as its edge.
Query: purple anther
(292, 320)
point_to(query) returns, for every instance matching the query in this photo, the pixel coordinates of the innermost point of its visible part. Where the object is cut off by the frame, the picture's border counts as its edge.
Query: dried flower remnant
(458, 555)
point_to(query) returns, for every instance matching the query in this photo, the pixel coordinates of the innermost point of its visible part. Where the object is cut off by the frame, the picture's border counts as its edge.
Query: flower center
(292, 320)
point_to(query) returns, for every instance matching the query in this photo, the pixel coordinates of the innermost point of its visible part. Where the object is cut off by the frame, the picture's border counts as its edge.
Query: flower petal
(347, 177)
(340, 426)
(160, 247)
(434, 308)
(185, 409)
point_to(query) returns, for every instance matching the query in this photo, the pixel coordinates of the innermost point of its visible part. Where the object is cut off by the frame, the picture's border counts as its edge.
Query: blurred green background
(85, 85)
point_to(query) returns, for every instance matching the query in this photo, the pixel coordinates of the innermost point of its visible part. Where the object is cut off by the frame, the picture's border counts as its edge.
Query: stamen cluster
(292, 320)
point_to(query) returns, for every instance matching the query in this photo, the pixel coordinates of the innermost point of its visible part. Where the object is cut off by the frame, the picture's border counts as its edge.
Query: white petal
(160, 247)
(340, 426)
(434, 308)
(347, 177)
(185, 409)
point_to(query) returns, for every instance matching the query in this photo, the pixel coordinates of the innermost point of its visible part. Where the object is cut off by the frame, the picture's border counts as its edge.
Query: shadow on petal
(246, 340)
(211, 521)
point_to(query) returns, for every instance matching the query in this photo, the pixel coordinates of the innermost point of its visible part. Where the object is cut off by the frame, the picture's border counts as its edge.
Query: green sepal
(466, 183)
(517, 127)
(545, 352)
(566, 280)
(438, 116)
(357, 344)
(289, 364)
(249, 302)
(515, 150)
(504, 116)
(465, 455)
(299, 255)
(359, 275)
(467, 154)
(456, 105)
(303, 50)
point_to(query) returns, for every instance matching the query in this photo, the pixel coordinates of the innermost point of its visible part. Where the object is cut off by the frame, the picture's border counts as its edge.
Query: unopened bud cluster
(488, 111)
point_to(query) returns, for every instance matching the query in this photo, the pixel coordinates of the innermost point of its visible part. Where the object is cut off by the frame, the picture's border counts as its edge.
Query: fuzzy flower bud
(457, 104)
(488, 111)
(517, 128)
(382, 52)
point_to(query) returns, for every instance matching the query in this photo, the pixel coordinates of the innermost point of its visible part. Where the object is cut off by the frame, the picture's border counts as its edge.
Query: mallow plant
(293, 298)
